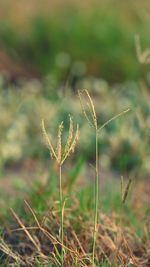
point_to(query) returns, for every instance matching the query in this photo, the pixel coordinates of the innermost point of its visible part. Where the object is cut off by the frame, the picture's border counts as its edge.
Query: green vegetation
(72, 44)
(81, 199)
(123, 143)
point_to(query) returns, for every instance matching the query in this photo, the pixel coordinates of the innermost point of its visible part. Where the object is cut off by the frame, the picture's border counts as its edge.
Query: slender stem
(96, 196)
(61, 213)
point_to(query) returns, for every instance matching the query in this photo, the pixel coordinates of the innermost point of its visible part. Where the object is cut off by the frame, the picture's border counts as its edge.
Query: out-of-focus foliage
(72, 43)
(123, 143)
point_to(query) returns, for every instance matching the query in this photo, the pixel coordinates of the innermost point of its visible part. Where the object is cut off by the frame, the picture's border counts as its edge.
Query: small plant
(91, 117)
(60, 154)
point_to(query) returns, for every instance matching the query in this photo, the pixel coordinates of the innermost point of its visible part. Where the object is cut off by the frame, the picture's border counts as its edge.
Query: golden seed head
(59, 142)
(48, 142)
(62, 153)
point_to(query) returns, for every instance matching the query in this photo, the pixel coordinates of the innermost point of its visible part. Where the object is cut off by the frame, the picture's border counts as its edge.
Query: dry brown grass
(40, 241)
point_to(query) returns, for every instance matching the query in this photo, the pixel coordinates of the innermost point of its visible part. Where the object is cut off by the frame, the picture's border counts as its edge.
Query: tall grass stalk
(60, 154)
(61, 210)
(96, 195)
(91, 117)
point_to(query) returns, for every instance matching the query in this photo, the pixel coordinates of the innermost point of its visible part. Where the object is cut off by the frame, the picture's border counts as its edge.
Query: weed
(60, 154)
(91, 117)
(93, 122)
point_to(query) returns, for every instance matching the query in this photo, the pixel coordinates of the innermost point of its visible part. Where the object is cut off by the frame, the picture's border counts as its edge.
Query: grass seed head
(48, 142)
(61, 152)
(59, 142)
(126, 192)
(71, 142)
(91, 115)
(142, 56)
(70, 135)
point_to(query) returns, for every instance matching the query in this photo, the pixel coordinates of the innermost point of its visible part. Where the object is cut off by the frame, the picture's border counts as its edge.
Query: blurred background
(49, 50)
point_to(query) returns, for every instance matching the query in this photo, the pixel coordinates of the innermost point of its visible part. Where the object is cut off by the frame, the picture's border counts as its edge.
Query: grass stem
(96, 196)
(61, 213)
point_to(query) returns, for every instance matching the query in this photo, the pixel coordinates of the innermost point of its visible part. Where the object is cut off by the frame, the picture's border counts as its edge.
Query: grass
(53, 237)
(93, 122)
(81, 229)
(60, 155)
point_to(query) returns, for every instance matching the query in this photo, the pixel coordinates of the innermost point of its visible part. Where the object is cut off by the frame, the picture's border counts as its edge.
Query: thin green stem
(96, 196)
(61, 214)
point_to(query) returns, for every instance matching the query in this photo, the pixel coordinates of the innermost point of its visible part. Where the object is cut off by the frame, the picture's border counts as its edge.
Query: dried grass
(114, 244)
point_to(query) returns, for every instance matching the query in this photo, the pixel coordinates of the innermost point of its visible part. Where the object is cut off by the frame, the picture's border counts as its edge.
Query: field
(75, 134)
